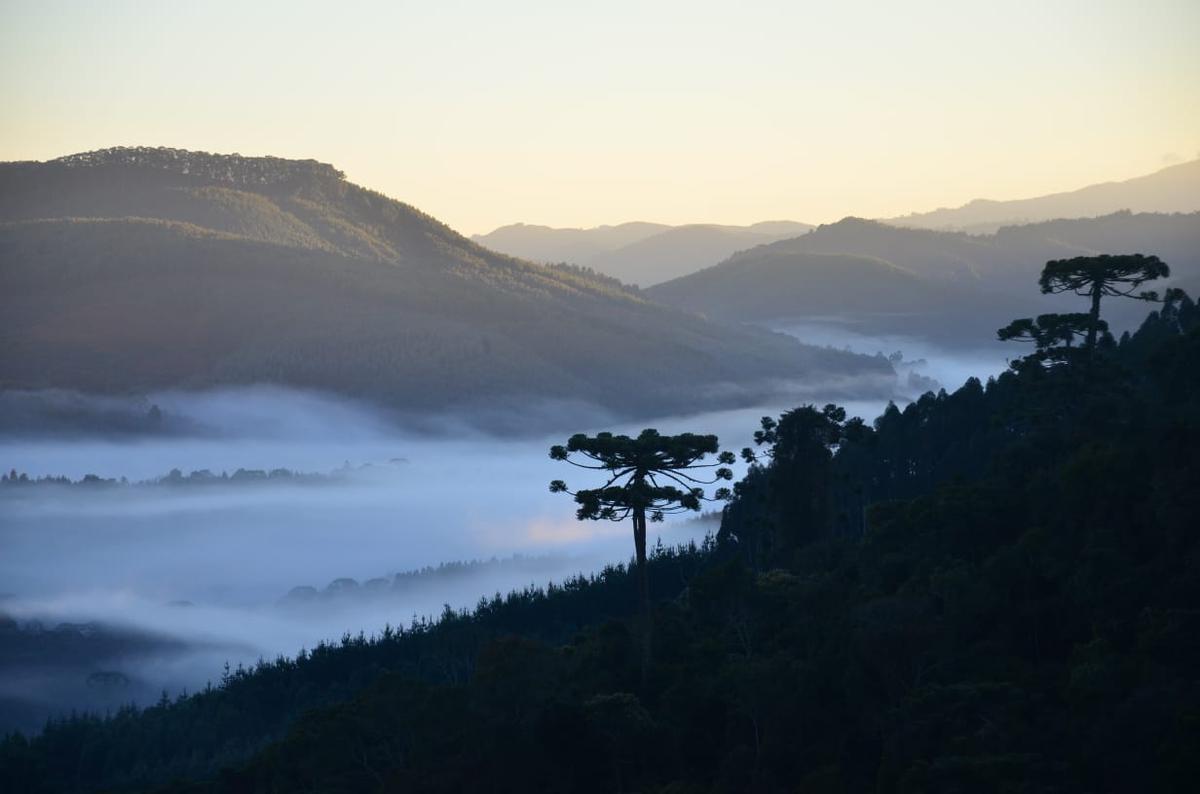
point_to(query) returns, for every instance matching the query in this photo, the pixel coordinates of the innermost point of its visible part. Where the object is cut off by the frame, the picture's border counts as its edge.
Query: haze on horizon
(545, 113)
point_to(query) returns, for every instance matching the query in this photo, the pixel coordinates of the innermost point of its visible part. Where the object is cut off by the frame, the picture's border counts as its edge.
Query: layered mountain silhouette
(129, 270)
(546, 244)
(637, 253)
(943, 285)
(1169, 190)
(647, 254)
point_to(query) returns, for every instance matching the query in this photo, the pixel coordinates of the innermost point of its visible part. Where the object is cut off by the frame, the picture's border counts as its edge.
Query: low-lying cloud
(165, 582)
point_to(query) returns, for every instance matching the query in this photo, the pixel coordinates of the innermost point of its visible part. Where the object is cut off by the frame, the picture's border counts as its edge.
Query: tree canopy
(1108, 273)
(1096, 276)
(648, 474)
(1053, 335)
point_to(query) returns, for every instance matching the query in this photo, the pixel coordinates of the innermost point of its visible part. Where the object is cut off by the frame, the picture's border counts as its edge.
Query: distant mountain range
(647, 254)
(129, 270)
(950, 286)
(1172, 189)
(637, 253)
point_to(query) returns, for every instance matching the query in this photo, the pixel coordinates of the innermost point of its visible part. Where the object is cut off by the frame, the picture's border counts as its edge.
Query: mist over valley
(251, 522)
(670, 398)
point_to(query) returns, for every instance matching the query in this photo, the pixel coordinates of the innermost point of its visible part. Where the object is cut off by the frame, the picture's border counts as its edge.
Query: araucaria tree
(648, 477)
(1096, 276)
(1053, 335)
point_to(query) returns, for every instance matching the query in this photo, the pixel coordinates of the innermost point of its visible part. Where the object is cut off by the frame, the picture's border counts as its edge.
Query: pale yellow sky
(577, 114)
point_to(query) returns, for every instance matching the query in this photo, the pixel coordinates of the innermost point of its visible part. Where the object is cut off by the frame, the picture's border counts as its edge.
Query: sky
(580, 114)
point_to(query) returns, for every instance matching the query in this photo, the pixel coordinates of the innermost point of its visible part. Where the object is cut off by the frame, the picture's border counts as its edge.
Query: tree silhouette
(795, 479)
(1053, 335)
(1097, 276)
(648, 477)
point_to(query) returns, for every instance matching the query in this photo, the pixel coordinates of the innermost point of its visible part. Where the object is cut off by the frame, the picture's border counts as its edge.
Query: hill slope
(767, 283)
(638, 253)
(1172, 189)
(955, 285)
(136, 269)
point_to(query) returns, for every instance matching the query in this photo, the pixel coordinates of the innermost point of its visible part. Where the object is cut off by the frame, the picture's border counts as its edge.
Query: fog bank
(163, 584)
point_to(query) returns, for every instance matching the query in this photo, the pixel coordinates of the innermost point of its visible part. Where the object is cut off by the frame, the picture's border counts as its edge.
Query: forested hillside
(951, 287)
(995, 589)
(766, 284)
(137, 269)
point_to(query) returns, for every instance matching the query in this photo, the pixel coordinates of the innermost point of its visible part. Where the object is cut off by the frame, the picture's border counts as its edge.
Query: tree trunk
(1093, 318)
(643, 575)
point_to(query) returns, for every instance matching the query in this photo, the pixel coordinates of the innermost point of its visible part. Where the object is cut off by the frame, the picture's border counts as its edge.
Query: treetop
(649, 451)
(635, 466)
(1113, 274)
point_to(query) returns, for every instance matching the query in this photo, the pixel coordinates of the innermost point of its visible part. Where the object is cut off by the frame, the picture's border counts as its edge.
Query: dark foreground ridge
(992, 590)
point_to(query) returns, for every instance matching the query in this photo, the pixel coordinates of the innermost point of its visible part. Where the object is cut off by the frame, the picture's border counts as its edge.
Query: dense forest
(995, 589)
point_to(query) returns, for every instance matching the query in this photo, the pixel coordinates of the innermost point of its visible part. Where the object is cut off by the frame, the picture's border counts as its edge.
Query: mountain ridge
(963, 285)
(1175, 188)
(637, 252)
(154, 268)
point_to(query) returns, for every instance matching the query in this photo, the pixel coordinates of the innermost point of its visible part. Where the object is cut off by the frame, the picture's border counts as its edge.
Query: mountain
(940, 285)
(546, 244)
(637, 253)
(684, 249)
(1172, 189)
(1011, 258)
(129, 270)
(765, 284)
(648, 254)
